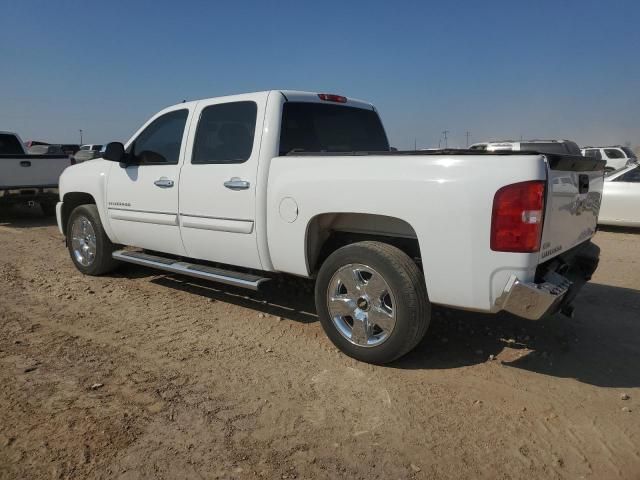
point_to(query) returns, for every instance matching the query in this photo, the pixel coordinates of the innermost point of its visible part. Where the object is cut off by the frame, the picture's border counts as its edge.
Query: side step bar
(228, 277)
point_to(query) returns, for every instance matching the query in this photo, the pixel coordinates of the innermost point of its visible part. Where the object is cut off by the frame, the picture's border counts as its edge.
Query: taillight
(516, 222)
(330, 97)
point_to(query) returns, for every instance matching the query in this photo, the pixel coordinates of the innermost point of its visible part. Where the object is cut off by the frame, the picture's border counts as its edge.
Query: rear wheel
(372, 301)
(89, 246)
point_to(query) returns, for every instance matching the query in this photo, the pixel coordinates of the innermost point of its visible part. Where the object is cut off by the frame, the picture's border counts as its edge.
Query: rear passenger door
(219, 179)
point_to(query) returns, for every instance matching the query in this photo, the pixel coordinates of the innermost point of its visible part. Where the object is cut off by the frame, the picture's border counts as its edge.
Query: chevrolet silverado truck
(243, 188)
(29, 179)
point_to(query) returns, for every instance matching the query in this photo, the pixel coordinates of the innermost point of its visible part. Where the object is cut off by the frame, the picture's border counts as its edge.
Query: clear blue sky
(500, 69)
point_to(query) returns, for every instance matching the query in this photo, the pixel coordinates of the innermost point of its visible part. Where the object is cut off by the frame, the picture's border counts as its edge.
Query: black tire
(48, 209)
(103, 262)
(405, 280)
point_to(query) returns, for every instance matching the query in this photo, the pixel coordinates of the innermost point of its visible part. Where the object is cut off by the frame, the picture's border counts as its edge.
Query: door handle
(163, 182)
(25, 163)
(236, 183)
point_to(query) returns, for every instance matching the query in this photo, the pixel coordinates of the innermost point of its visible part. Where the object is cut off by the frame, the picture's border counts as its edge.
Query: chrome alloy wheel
(83, 241)
(361, 305)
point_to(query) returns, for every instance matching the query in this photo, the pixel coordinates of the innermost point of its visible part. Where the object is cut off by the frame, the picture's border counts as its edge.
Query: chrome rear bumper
(553, 291)
(534, 300)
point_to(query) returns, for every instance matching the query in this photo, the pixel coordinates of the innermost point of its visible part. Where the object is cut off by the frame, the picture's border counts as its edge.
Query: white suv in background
(617, 157)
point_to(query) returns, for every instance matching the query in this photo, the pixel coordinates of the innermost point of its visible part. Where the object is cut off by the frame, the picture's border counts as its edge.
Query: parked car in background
(621, 198)
(617, 157)
(565, 147)
(30, 178)
(88, 152)
(319, 194)
(46, 150)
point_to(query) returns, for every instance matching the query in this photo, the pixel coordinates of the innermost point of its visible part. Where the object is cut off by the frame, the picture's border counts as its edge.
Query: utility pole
(468, 134)
(80, 136)
(415, 144)
(446, 144)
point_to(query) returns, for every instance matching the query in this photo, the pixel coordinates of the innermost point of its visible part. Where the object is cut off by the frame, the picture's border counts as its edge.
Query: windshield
(317, 127)
(10, 145)
(630, 153)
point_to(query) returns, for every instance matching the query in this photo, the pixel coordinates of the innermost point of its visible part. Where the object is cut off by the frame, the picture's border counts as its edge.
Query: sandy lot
(140, 375)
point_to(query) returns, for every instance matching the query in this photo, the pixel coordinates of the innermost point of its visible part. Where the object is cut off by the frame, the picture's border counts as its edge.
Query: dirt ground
(146, 376)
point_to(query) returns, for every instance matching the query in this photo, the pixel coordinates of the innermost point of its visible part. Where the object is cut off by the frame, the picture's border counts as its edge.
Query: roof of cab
(290, 95)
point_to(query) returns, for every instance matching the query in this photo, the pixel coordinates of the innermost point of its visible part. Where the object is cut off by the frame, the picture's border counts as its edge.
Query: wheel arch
(326, 232)
(70, 201)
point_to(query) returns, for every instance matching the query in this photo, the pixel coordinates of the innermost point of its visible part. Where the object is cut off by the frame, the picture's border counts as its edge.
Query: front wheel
(372, 301)
(88, 244)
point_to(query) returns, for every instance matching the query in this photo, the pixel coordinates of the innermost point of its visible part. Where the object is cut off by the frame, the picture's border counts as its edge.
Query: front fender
(90, 178)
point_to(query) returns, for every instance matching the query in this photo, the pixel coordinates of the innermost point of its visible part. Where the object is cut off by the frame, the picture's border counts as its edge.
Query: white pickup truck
(241, 188)
(26, 178)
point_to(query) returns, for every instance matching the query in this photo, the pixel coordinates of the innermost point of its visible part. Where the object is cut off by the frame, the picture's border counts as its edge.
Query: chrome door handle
(236, 184)
(163, 182)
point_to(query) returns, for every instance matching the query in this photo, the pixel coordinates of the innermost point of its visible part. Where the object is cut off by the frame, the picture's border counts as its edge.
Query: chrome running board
(228, 277)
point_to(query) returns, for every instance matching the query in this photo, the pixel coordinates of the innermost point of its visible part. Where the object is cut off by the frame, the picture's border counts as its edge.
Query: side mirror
(114, 152)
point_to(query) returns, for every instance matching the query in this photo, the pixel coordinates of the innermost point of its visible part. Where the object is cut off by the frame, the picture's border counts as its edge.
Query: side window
(593, 153)
(225, 133)
(614, 153)
(159, 143)
(632, 176)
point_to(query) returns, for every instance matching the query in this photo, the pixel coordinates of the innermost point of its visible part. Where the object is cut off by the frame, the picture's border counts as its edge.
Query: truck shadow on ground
(599, 346)
(21, 216)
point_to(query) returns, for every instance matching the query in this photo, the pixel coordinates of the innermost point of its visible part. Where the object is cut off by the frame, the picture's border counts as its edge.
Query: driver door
(142, 195)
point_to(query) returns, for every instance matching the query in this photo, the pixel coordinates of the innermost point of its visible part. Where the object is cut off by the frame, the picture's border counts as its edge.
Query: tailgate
(31, 170)
(574, 191)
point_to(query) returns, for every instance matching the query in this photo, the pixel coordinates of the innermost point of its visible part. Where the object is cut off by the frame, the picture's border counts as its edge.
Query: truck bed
(24, 171)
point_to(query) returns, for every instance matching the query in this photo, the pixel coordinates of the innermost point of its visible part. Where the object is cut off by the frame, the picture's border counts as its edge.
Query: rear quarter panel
(447, 199)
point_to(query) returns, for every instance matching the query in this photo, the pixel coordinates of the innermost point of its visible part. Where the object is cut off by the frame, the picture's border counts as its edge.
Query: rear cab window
(10, 145)
(318, 127)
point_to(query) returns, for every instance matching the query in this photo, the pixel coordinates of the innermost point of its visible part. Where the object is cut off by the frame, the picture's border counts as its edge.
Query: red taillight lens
(516, 223)
(329, 97)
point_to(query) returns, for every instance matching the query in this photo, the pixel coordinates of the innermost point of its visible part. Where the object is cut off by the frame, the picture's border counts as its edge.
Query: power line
(446, 144)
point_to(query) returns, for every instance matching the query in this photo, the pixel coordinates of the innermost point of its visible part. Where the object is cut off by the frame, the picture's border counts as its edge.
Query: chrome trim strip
(144, 217)
(183, 269)
(216, 224)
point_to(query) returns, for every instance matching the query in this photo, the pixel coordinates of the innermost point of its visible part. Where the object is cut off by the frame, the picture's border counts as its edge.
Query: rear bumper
(19, 195)
(555, 287)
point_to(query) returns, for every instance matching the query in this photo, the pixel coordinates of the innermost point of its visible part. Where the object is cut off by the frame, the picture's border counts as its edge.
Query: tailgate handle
(583, 183)
(25, 163)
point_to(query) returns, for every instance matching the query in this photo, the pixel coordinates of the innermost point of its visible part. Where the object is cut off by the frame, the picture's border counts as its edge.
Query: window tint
(593, 153)
(10, 145)
(160, 142)
(632, 176)
(614, 153)
(225, 133)
(316, 127)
